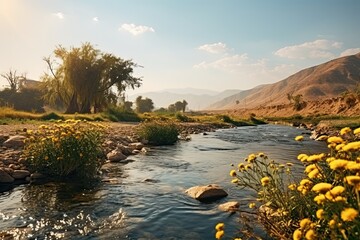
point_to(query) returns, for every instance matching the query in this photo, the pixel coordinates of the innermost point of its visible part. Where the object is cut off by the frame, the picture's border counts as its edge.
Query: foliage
(84, 78)
(228, 119)
(143, 105)
(178, 106)
(117, 114)
(64, 149)
(324, 204)
(26, 99)
(182, 117)
(51, 116)
(159, 133)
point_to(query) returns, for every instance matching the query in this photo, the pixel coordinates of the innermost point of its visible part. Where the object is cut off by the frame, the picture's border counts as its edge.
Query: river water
(144, 199)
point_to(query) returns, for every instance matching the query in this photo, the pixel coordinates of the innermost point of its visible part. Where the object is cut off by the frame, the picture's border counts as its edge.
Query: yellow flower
(353, 166)
(353, 146)
(315, 157)
(289, 164)
(297, 234)
(247, 167)
(310, 235)
(304, 223)
(320, 213)
(299, 138)
(357, 131)
(321, 187)
(322, 138)
(262, 155)
(235, 180)
(338, 164)
(345, 130)
(310, 168)
(46, 158)
(349, 214)
(340, 146)
(352, 180)
(305, 182)
(314, 174)
(292, 186)
(265, 181)
(241, 166)
(219, 234)
(302, 157)
(233, 173)
(252, 205)
(330, 159)
(251, 158)
(339, 199)
(332, 223)
(219, 226)
(335, 139)
(336, 191)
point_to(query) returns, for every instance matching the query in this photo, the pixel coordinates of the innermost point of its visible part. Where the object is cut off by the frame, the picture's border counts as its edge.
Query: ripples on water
(145, 199)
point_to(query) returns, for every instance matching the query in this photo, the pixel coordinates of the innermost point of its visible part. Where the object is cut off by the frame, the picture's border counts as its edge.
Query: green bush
(182, 117)
(64, 149)
(159, 133)
(51, 116)
(119, 114)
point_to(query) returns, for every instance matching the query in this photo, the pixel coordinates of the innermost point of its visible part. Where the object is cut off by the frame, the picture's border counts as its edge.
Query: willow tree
(84, 78)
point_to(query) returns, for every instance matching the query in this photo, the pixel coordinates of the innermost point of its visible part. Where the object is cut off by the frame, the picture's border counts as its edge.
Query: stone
(37, 175)
(145, 150)
(116, 156)
(206, 193)
(229, 206)
(16, 141)
(136, 145)
(20, 174)
(5, 177)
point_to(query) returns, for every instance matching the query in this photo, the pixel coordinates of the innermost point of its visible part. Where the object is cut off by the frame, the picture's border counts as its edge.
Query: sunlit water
(127, 207)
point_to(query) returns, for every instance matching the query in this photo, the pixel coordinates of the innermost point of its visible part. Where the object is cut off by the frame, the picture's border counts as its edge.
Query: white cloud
(95, 19)
(59, 15)
(350, 51)
(256, 71)
(136, 29)
(214, 48)
(320, 48)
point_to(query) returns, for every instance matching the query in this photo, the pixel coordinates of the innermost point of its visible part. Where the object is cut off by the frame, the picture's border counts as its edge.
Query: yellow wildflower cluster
(324, 204)
(65, 148)
(219, 230)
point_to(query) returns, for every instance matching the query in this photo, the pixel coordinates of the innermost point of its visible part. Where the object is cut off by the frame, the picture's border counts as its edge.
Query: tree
(184, 105)
(178, 106)
(144, 105)
(85, 78)
(13, 79)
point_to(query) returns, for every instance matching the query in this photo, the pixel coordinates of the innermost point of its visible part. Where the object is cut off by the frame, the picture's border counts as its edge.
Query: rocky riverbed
(120, 142)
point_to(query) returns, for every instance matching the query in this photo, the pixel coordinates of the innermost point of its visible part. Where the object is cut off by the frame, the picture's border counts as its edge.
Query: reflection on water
(144, 199)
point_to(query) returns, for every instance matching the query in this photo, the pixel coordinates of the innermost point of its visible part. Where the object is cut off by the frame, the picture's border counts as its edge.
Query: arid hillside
(325, 81)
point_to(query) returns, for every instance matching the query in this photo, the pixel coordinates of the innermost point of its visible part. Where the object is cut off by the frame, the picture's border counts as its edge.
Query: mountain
(197, 99)
(327, 80)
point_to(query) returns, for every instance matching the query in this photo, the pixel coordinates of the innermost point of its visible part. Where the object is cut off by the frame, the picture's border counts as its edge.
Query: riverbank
(120, 141)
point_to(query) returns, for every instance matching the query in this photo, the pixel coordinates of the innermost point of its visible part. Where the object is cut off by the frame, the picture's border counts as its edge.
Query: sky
(206, 44)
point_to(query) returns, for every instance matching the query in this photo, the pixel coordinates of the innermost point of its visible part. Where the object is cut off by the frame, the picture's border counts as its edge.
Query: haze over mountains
(197, 99)
(323, 81)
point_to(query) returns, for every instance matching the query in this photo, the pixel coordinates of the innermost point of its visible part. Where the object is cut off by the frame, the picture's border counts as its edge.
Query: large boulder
(206, 193)
(16, 141)
(116, 156)
(136, 145)
(5, 177)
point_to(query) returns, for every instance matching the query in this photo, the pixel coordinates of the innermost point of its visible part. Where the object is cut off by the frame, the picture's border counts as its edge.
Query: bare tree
(13, 79)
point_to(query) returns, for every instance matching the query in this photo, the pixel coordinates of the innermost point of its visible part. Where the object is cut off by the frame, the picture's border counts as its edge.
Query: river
(144, 199)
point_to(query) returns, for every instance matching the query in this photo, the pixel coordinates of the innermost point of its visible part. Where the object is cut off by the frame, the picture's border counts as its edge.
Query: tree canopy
(84, 78)
(144, 105)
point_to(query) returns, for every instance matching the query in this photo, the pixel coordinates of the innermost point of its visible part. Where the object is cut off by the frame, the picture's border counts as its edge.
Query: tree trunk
(73, 106)
(86, 107)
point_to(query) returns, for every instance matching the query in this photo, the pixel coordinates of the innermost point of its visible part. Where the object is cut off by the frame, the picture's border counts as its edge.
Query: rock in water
(229, 206)
(5, 177)
(206, 193)
(116, 156)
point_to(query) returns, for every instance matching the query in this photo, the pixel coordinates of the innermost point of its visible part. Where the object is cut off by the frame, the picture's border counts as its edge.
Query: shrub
(64, 149)
(51, 116)
(117, 114)
(182, 117)
(159, 133)
(324, 204)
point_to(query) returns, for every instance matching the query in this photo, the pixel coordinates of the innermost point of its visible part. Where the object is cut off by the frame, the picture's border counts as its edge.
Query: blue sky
(208, 44)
